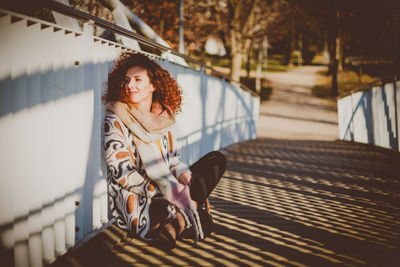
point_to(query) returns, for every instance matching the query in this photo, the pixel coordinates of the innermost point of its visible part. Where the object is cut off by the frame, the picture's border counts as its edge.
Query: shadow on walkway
(283, 203)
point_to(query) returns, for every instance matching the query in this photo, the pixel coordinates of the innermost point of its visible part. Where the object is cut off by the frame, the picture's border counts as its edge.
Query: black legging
(206, 173)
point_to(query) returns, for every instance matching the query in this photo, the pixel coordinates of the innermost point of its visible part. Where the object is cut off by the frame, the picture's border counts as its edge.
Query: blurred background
(358, 40)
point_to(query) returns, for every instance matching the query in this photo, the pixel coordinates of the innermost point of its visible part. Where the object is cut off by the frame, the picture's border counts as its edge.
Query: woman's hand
(180, 196)
(185, 178)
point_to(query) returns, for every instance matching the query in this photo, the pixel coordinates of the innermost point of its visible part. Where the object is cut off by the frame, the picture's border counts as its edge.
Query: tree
(248, 22)
(365, 29)
(161, 15)
(237, 23)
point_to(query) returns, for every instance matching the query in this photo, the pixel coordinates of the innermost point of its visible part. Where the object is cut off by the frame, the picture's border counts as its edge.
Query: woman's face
(137, 85)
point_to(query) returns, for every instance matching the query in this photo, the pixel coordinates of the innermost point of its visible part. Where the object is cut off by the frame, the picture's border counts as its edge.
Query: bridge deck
(282, 203)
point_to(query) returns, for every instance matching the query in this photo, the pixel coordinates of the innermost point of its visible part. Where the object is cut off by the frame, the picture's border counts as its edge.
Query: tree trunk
(333, 58)
(334, 89)
(333, 29)
(236, 40)
(265, 53)
(333, 67)
(396, 52)
(239, 32)
(339, 52)
(236, 64)
(288, 51)
(248, 61)
(360, 67)
(300, 50)
(248, 66)
(259, 67)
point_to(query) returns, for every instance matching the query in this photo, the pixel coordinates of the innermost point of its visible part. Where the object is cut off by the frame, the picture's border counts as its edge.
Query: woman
(151, 192)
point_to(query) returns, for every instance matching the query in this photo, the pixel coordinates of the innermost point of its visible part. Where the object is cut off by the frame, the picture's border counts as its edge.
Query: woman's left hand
(185, 178)
(179, 195)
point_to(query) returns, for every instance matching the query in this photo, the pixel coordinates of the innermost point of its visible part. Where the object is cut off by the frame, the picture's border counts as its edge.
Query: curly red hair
(167, 91)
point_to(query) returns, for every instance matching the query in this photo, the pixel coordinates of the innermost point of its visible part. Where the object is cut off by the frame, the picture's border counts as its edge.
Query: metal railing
(77, 14)
(370, 114)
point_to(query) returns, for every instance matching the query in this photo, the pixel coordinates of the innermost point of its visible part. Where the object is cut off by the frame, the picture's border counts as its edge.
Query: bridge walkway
(289, 198)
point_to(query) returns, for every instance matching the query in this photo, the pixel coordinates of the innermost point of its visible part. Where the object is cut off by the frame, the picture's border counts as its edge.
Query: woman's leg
(206, 173)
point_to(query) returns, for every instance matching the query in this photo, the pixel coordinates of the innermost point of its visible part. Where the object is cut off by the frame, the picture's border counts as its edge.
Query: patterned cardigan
(130, 191)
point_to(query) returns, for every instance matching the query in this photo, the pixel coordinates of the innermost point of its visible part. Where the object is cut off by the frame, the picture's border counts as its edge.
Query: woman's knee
(219, 159)
(215, 155)
(211, 160)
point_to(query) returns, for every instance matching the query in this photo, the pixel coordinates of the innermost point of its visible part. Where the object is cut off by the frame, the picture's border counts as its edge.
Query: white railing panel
(398, 112)
(19, 100)
(372, 117)
(69, 124)
(361, 117)
(214, 99)
(383, 112)
(390, 112)
(345, 115)
(82, 92)
(214, 111)
(7, 215)
(187, 128)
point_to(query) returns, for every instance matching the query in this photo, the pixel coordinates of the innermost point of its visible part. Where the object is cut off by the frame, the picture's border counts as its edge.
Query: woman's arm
(179, 169)
(120, 157)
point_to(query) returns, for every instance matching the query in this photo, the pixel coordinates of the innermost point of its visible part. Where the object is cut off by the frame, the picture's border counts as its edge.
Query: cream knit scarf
(147, 129)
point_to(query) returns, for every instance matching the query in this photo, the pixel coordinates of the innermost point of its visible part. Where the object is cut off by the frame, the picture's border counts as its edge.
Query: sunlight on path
(293, 112)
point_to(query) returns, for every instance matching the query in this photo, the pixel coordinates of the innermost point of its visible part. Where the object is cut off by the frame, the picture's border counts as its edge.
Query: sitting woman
(151, 192)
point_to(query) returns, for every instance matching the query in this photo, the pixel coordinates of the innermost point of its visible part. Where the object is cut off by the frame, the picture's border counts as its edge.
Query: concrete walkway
(289, 198)
(292, 112)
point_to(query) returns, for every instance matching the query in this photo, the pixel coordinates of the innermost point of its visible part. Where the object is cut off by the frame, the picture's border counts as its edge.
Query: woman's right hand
(185, 178)
(179, 195)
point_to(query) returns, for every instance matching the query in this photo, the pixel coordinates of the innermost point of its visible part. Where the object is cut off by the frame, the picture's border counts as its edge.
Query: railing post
(396, 131)
(88, 28)
(371, 117)
(352, 129)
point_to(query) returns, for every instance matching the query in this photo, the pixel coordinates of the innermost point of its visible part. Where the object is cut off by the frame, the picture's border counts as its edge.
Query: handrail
(367, 86)
(72, 12)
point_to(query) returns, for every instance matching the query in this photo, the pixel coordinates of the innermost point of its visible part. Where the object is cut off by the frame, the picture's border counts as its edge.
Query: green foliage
(220, 62)
(266, 90)
(321, 91)
(265, 93)
(347, 81)
(275, 64)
